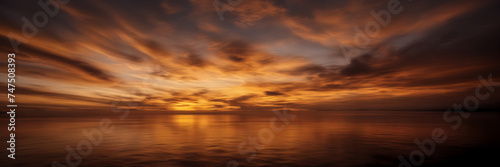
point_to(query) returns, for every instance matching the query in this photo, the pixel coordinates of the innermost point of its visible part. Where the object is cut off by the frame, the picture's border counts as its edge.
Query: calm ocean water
(356, 138)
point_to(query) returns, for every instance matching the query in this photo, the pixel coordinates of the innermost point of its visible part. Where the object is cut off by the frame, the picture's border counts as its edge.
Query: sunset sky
(179, 55)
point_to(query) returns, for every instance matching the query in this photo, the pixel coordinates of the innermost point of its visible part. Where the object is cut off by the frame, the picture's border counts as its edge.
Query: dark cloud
(195, 60)
(240, 101)
(237, 51)
(273, 93)
(306, 69)
(154, 46)
(357, 66)
(79, 65)
(53, 95)
(454, 52)
(306, 9)
(200, 93)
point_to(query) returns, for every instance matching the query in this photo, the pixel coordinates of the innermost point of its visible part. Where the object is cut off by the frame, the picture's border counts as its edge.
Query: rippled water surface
(367, 138)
